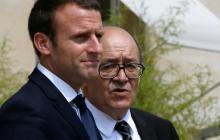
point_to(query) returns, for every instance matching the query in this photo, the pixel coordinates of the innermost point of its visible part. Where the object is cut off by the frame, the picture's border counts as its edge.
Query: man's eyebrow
(108, 60)
(101, 32)
(130, 60)
(77, 33)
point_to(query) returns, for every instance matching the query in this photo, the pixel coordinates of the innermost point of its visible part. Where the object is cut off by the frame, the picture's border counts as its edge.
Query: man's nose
(121, 76)
(96, 46)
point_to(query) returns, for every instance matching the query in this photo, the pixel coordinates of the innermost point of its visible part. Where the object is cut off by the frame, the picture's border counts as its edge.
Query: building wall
(213, 6)
(14, 18)
(188, 59)
(13, 25)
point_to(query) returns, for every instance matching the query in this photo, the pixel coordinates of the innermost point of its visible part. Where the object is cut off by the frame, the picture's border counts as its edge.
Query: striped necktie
(86, 117)
(124, 129)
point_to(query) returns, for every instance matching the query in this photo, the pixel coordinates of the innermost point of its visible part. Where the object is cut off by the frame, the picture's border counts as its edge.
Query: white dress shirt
(67, 91)
(106, 124)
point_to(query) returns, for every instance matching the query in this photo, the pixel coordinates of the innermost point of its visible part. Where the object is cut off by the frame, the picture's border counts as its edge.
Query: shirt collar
(104, 122)
(67, 91)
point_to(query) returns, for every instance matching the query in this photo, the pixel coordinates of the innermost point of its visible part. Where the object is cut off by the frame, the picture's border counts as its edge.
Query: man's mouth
(119, 90)
(91, 61)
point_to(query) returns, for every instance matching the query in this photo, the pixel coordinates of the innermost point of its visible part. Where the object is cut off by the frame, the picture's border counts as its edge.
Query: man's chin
(121, 106)
(93, 71)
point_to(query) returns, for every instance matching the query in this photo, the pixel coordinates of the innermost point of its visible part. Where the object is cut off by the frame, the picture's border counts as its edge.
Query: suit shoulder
(24, 93)
(155, 125)
(26, 99)
(146, 116)
(162, 128)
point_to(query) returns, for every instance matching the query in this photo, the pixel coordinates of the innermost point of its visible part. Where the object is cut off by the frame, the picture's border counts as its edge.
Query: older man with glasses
(112, 91)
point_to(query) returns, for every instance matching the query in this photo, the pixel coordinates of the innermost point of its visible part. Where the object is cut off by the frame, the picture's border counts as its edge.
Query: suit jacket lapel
(69, 115)
(59, 102)
(144, 128)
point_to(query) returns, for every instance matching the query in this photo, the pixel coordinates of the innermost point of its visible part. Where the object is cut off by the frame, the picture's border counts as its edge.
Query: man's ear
(42, 43)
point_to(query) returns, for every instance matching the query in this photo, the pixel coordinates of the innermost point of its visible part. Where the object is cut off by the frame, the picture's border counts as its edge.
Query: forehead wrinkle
(65, 14)
(118, 40)
(113, 48)
(118, 57)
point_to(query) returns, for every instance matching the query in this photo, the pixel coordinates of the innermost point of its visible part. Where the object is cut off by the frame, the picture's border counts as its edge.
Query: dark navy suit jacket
(151, 127)
(38, 111)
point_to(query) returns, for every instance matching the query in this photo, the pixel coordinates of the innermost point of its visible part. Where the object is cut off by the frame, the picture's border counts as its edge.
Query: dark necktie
(86, 117)
(124, 129)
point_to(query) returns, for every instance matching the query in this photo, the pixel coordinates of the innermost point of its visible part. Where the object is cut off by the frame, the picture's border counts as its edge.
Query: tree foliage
(168, 92)
(10, 80)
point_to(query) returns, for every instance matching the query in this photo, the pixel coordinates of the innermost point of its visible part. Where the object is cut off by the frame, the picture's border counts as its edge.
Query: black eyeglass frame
(122, 66)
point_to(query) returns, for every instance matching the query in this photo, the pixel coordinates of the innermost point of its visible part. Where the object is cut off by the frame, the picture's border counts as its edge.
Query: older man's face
(116, 93)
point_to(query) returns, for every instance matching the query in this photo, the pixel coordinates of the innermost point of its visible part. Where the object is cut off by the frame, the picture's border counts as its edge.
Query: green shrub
(169, 92)
(10, 80)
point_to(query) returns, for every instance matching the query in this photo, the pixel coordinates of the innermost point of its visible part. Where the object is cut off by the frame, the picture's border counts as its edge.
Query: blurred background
(180, 40)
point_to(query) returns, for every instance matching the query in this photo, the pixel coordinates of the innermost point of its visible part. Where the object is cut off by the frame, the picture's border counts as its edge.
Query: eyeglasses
(111, 70)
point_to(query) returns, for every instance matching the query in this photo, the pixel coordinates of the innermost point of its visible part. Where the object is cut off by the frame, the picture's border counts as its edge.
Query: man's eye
(108, 67)
(131, 67)
(99, 36)
(80, 38)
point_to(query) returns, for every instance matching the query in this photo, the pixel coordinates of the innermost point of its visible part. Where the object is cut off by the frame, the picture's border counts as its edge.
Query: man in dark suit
(111, 93)
(65, 35)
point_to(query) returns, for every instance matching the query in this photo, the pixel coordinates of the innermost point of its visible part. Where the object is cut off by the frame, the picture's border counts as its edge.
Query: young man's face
(76, 54)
